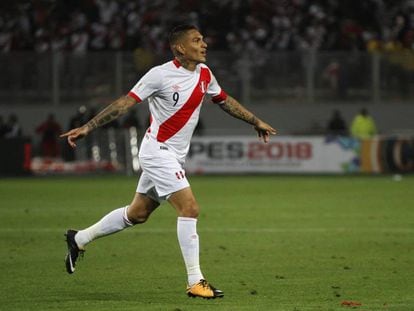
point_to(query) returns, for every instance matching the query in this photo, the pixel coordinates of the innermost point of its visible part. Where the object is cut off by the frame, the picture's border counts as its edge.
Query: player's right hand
(75, 134)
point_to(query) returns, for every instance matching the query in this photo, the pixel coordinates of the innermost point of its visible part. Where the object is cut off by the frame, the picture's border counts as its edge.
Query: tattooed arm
(235, 109)
(108, 114)
(111, 112)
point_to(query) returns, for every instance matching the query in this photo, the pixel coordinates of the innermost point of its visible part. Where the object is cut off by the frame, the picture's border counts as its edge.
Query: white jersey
(175, 95)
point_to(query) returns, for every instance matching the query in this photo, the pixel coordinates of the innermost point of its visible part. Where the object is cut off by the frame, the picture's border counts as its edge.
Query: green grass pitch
(294, 243)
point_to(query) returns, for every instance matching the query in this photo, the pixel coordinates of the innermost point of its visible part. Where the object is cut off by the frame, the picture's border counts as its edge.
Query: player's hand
(75, 134)
(264, 130)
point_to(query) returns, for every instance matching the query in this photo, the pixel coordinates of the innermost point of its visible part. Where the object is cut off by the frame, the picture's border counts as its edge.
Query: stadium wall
(289, 119)
(318, 154)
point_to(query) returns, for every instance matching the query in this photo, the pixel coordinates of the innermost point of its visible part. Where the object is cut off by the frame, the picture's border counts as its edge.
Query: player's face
(195, 48)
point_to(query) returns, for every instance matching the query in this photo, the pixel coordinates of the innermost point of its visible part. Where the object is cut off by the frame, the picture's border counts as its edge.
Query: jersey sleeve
(214, 89)
(147, 85)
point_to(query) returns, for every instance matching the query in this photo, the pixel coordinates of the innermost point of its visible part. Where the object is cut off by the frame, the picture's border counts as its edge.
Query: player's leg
(119, 219)
(187, 209)
(137, 212)
(141, 208)
(169, 180)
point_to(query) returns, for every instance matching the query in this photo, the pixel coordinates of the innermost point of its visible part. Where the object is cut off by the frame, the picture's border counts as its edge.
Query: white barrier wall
(246, 154)
(283, 154)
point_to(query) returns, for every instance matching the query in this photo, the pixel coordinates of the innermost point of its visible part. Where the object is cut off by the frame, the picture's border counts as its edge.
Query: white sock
(189, 244)
(115, 221)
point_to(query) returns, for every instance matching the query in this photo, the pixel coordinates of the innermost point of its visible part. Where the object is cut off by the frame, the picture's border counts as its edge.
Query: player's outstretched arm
(111, 112)
(235, 109)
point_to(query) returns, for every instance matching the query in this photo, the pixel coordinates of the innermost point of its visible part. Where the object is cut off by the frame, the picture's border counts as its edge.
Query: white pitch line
(227, 230)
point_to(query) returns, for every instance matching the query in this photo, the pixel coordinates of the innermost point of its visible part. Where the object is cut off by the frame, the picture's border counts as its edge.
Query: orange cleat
(204, 290)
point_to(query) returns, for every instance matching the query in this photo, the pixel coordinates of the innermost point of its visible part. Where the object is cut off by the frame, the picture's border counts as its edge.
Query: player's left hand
(264, 130)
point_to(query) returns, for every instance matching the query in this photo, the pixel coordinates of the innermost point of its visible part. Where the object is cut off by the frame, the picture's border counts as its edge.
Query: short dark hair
(178, 31)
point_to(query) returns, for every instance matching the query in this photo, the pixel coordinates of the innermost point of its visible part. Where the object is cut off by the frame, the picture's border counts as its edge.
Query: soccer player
(175, 91)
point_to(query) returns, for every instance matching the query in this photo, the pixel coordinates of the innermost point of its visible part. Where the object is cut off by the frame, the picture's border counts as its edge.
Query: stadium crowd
(81, 25)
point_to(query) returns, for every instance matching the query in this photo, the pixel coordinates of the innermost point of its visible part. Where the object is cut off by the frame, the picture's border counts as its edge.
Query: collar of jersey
(178, 65)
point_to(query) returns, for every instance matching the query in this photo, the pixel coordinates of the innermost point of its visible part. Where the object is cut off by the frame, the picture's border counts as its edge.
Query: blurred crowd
(82, 25)
(47, 139)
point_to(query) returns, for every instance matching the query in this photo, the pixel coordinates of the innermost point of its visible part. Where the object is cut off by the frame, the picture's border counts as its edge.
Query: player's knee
(190, 210)
(192, 214)
(137, 217)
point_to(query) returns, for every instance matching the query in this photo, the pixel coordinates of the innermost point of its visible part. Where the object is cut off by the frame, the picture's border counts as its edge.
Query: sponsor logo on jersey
(175, 88)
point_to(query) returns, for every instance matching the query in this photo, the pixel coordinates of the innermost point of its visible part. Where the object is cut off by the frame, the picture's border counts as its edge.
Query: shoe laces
(204, 284)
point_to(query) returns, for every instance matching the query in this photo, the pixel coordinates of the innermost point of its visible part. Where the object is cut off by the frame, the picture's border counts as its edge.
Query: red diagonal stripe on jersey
(177, 121)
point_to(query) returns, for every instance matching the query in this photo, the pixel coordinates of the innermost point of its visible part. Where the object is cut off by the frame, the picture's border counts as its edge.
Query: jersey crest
(203, 87)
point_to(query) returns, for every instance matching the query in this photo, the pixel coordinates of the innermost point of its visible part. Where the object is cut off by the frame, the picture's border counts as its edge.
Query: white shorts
(162, 173)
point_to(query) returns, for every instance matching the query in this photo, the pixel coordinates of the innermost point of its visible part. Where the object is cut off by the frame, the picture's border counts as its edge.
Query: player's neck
(189, 65)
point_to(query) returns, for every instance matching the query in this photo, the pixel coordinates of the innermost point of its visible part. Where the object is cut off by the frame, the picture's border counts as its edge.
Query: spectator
(107, 10)
(336, 124)
(78, 62)
(363, 126)
(78, 119)
(50, 131)
(13, 128)
(116, 35)
(99, 33)
(270, 25)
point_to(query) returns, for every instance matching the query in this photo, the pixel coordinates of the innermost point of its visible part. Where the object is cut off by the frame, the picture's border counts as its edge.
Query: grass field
(270, 243)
